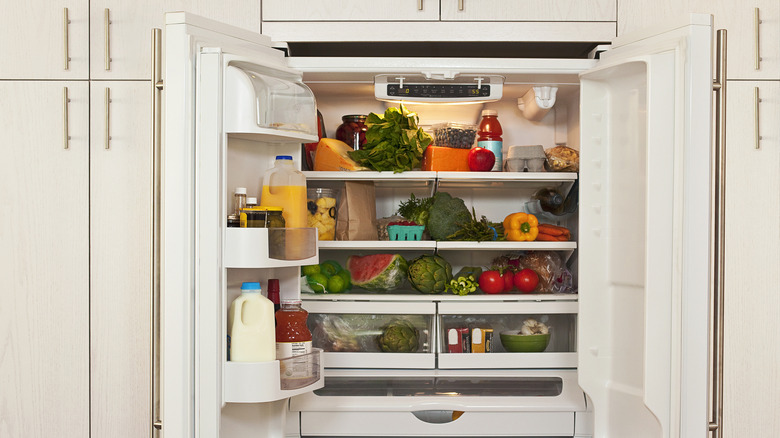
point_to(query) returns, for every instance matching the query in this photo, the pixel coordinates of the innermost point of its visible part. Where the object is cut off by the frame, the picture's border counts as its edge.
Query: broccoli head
(446, 216)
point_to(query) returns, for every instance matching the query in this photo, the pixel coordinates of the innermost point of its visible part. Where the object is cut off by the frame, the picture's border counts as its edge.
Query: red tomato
(509, 281)
(491, 282)
(526, 280)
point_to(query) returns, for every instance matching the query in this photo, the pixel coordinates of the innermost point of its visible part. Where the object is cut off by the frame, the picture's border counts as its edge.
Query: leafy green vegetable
(393, 141)
(416, 209)
(478, 230)
(447, 214)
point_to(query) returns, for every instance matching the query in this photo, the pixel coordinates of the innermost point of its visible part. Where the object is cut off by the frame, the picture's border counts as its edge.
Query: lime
(336, 284)
(330, 267)
(317, 282)
(310, 270)
(344, 274)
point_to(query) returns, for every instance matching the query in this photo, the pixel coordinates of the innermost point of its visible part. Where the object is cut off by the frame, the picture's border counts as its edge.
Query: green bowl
(517, 343)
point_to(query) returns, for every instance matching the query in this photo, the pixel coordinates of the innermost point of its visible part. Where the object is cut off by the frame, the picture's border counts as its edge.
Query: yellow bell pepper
(519, 227)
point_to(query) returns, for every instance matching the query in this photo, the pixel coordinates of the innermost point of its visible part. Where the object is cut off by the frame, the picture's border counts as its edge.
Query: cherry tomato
(526, 280)
(491, 282)
(509, 281)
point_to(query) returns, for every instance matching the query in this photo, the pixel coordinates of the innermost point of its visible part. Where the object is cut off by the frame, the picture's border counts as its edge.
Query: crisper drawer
(442, 403)
(437, 423)
(465, 330)
(373, 334)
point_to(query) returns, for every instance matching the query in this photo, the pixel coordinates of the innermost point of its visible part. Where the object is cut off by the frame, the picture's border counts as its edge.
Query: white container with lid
(251, 326)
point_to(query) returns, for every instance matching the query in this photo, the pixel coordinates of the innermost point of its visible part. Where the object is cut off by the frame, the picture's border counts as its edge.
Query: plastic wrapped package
(562, 159)
(554, 276)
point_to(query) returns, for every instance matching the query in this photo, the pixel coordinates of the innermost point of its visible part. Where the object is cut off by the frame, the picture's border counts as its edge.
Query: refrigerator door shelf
(270, 247)
(260, 382)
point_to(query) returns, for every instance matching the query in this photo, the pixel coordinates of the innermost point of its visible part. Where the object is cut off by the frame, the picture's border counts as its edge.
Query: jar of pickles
(353, 130)
(261, 217)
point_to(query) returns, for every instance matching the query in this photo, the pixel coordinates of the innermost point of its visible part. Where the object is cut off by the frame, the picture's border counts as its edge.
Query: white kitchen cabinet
(350, 10)
(44, 248)
(38, 36)
(120, 259)
(533, 10)
(130, 25)
(744, 34)
(438, 20)
(752, 355)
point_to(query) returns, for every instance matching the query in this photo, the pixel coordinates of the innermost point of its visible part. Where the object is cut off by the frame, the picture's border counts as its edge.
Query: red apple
(481, 159)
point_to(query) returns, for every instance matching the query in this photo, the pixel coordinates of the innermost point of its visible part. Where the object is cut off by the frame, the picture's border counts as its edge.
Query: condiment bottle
(549, 200)
(239, 200)
(489, 137)
(251, 202)
(251, 334)
(284, 186)
(273, 293)
(293, 337)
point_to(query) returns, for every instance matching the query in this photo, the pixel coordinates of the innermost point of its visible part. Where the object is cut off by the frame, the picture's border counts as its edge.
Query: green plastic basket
(405, 232)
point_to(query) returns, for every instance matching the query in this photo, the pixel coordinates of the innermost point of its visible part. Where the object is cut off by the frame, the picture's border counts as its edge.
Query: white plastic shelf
(271, 135)
(507, 360)
(260, 382)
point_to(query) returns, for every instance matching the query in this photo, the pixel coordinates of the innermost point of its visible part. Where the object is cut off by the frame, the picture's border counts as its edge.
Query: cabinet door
(752, 354)
(44, 238)
(350, 10)
(130, 26)
(121, 259)
(532, 10)
(39, 35)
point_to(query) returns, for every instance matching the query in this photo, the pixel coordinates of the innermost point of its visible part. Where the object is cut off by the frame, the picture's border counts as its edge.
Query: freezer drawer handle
(757, 51)
(66, 133)
(107, 139)
(107, 43)
(757, 102)
(66, 29)
(437, 416)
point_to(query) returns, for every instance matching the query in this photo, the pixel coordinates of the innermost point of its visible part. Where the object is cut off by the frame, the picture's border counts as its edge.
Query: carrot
(546, 238)
(564, 238)
(552, 230)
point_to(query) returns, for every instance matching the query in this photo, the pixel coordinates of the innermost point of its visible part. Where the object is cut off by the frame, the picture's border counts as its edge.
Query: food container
(261, 217)
(321, 205)
(405, 232)
(454, 135)
(522, 158)
(515, 342)
(352, 130)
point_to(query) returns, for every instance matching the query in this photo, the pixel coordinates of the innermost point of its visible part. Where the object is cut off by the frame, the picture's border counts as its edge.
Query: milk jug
(251, 328)
(284, 186)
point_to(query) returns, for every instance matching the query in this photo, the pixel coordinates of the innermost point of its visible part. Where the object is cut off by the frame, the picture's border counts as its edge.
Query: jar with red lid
(353, 130)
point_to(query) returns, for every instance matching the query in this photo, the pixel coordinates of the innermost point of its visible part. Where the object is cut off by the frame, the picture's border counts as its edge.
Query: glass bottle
(273, 293)
(293, 337)
(550, 200)
(239, 200)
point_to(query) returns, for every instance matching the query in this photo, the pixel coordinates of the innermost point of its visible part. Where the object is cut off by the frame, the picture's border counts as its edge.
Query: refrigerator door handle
(717, 236)
(156, 223)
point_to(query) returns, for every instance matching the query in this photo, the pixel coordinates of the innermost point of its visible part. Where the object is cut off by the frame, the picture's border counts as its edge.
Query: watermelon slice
(377, 272)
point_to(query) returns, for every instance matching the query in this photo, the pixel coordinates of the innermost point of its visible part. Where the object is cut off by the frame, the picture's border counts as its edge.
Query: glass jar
(261, 217)
(353, 130)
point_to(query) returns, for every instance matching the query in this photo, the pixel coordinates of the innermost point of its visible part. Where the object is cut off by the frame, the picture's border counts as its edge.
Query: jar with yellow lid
(261, 217)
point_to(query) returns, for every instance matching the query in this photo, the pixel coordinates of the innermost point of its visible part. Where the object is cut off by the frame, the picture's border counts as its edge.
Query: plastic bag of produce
(554, 276)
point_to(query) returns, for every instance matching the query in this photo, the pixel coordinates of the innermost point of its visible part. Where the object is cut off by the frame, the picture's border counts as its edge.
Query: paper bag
(356, 217)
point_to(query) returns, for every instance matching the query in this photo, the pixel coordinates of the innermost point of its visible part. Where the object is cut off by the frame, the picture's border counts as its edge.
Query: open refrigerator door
(644, 243)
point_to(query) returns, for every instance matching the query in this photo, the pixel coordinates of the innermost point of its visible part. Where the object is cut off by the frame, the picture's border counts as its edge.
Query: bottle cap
(252, 201)
(489, 112)
(284, 157)
(273, 285)
(291, 302)
(240, 190)
(250, 286)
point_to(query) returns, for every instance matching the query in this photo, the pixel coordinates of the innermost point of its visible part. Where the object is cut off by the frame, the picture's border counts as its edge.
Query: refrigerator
(629, 354)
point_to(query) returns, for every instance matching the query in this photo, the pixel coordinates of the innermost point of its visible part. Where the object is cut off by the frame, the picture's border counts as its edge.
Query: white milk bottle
(251, 329)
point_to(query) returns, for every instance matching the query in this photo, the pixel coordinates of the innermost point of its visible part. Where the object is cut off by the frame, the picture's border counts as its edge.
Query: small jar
(353, 130)
(262, 217)
(233, 221)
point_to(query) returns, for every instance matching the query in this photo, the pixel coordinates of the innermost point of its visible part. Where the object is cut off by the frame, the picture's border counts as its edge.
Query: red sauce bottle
(293, 337)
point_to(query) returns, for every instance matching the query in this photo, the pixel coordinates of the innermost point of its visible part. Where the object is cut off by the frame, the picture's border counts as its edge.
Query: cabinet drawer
(437, 423)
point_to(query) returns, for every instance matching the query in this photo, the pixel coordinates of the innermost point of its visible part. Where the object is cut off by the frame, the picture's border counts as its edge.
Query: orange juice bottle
(284, 186)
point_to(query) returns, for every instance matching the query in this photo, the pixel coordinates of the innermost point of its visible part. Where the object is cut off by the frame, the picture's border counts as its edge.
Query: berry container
(405, 232)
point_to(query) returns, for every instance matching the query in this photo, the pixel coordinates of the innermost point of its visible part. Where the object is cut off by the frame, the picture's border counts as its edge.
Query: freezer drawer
(437, 423)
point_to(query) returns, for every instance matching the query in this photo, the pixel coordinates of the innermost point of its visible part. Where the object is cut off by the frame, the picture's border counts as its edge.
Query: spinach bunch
(393, 141)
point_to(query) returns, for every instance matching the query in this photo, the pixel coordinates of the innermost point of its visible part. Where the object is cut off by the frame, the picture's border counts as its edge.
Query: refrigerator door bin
(558, 318)
(258, 382)
(267, 98)
(373, 335)
(270, 247)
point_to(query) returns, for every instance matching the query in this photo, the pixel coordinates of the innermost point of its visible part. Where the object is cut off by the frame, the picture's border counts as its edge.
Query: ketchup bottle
(489, 137)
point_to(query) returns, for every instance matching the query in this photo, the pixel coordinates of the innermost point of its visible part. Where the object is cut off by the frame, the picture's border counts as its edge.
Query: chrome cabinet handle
(756, 103)
(107, 43)
(717, 237)
(460, 5)
(66, 133)
(156, 223)
(66, 31)
(757, 52)
(419, 5)
(108, 119)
